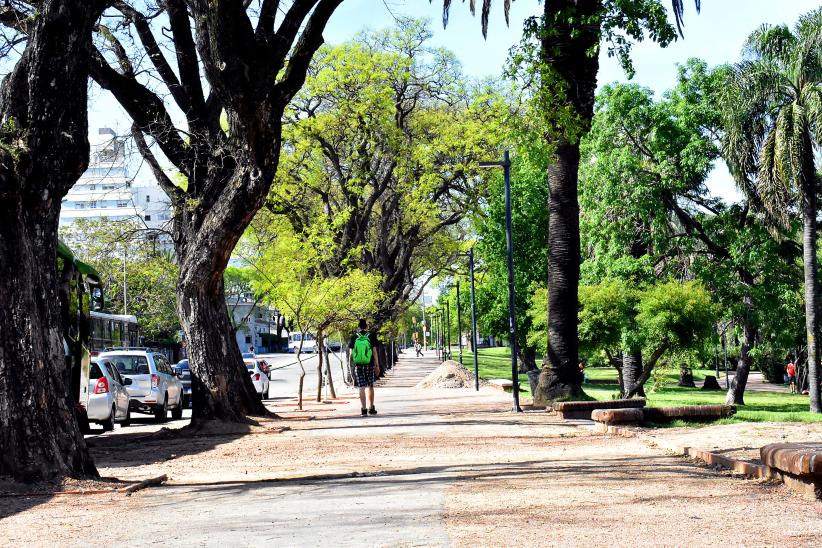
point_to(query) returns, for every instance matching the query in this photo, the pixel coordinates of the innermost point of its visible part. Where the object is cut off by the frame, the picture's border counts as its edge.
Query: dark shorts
(791, 379)
(363, 375)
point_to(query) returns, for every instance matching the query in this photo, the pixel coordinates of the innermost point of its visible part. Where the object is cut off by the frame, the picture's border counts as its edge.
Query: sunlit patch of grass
(495, 363)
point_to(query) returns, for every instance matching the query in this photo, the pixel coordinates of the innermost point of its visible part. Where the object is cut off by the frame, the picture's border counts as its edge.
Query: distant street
(285, 374)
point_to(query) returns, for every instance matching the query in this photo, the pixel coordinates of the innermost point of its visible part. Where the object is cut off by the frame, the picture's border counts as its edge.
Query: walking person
(791, 371)
(364, 345)
(418, 348)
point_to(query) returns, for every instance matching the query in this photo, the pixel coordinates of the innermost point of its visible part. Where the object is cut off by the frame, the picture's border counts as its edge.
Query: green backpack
(361, 354)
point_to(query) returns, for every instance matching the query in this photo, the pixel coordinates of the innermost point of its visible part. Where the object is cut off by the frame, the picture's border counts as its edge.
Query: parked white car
(155, 388)
(108, 399)
(258, 377)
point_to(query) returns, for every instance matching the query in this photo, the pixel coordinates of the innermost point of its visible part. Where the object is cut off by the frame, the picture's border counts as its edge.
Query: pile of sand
(448, 375)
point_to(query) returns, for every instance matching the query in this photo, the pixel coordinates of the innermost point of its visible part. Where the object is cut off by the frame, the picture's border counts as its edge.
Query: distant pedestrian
(790, 369)
(418, 348)
(364, 345)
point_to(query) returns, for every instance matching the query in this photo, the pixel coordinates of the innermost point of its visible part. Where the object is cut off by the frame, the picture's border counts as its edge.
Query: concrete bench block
(617, 416)
(689, 412)
(583, 409)
(799, 464)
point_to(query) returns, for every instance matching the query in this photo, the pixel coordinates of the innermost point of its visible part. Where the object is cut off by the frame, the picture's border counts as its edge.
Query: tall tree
(561, 56)
(772, 107)
(254, 57)
(383, 147)
(43, 151)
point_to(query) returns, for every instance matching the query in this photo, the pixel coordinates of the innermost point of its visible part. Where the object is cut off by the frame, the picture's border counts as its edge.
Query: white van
(294, 342)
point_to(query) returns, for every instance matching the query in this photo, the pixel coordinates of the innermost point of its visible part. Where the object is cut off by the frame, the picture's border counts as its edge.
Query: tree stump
(686, 378)
(711, 383)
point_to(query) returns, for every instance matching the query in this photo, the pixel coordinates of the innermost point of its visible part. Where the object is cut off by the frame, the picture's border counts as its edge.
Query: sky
(715, 35)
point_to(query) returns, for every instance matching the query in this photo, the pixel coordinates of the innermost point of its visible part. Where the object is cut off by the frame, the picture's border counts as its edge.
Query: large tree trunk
(45, 150)
(632, 372)
(811, 294)
(736, 392)
(527, 359)
(221, 386)
(569, 53)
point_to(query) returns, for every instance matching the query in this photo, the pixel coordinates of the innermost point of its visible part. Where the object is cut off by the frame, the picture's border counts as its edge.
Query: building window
(247, 339)
(92, 205)
(147, 217)
(122, 204)
(148, 199)
(80, 205)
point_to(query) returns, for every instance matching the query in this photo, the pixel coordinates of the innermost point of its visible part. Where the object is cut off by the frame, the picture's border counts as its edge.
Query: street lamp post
(448, 328)
(435, 319)
(509, 240)
(459, 323)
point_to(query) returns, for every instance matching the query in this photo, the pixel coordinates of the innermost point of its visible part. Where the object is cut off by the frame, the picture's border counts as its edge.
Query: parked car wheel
(108, 424)
(127, 420)
(177, 412)
(161, 413)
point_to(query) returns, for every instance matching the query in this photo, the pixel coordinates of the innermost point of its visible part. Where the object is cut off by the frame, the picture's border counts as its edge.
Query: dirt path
(435, 467)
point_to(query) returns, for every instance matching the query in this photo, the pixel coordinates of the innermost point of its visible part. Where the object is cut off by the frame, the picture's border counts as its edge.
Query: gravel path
(436, 467)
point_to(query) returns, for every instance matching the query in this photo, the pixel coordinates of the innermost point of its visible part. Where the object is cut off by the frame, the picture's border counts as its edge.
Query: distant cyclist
(363, 345)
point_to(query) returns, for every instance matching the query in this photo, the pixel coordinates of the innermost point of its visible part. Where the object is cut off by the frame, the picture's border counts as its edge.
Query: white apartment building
(108, 190)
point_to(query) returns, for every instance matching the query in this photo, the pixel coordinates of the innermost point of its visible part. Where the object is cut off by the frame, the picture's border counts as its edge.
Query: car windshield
(130, 365)
(248, 355)
(182, 365)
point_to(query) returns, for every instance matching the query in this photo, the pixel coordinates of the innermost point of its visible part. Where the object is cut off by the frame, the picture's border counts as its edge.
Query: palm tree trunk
(736, 393)
(571, 34)
(811, 295)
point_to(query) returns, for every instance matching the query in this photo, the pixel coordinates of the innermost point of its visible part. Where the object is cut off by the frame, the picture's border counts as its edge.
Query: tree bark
(527, 359)
(320, 362)
(328, 373)
(647, 369)
(44, 151)
(568, 52)
(221, 388)
(811, 291)
(736, 392)
(632, 372)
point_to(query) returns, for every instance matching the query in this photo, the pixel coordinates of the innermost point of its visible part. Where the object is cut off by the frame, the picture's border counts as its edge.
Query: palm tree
(772, 107)
(569, 32)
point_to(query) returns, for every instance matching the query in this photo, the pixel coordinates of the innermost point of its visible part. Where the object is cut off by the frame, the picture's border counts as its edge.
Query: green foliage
(285, 272)
(672, 317)
(529, 200)
(771, 108)
(680, 314)
(380, 156)
(618, 23)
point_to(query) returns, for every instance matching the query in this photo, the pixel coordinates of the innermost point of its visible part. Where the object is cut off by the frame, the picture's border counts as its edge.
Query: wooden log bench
(583, 409)
(663, 414)
(798, 464)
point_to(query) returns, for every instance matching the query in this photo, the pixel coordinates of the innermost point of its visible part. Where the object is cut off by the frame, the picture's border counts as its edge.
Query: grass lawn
(495, 363)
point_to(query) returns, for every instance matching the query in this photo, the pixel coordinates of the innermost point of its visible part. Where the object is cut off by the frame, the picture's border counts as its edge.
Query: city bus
(113, 331)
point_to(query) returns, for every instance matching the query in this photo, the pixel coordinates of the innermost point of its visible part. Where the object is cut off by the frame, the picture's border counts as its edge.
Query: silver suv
(154, 388)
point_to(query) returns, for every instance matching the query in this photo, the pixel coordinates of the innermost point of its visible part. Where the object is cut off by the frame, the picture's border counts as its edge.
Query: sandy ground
(436, 467)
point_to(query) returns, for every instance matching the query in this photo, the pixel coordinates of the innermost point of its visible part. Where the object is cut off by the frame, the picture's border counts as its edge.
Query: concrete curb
(748, 469)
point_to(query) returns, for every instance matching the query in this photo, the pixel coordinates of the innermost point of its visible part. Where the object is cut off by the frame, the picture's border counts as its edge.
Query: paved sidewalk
(434, 468)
